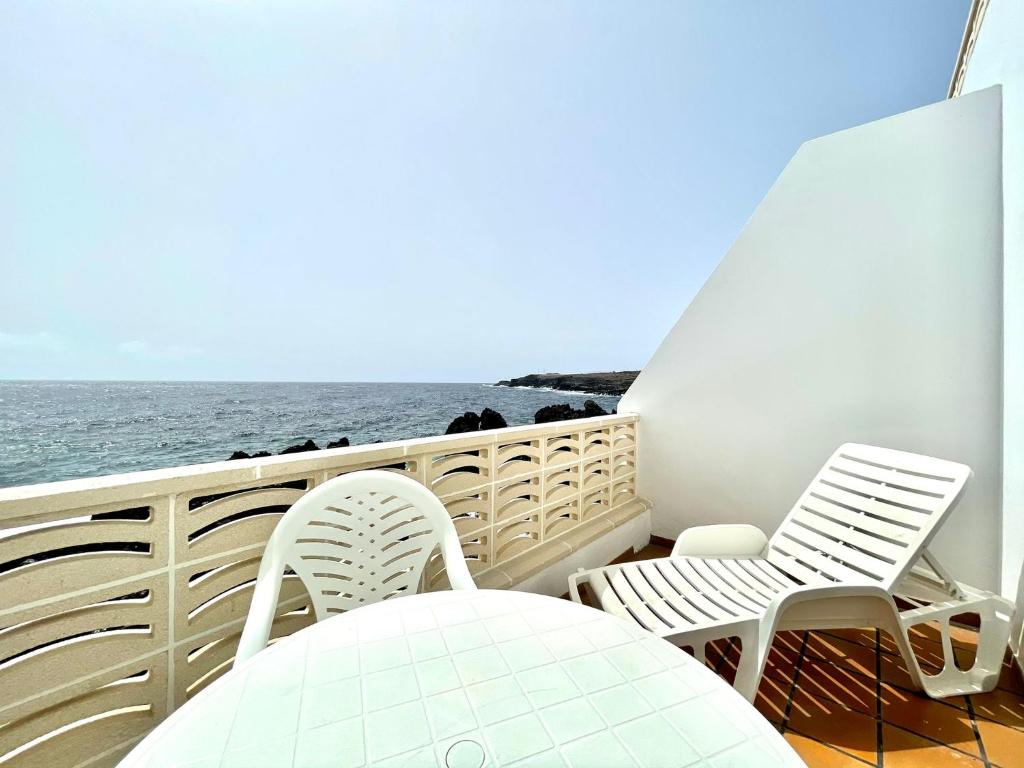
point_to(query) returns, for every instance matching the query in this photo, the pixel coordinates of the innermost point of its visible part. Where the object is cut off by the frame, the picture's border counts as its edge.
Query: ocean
(60, 430)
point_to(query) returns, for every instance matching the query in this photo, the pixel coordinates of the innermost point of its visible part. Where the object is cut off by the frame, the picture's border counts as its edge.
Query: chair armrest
(258, 622)
(459, 576)
(730, 540)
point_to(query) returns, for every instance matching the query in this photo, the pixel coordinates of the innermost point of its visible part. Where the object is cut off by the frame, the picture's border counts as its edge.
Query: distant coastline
(606, 383)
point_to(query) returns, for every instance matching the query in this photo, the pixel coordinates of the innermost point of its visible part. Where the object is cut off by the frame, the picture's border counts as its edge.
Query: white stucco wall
(998, 58)
(861, 302)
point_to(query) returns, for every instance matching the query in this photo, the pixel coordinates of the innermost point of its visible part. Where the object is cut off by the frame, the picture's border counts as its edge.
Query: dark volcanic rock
(467, 422)
(490, 419)
(471, 422)
(554, 413)
(309, 445)
(609, 383)
(257, 455)
(564, 412)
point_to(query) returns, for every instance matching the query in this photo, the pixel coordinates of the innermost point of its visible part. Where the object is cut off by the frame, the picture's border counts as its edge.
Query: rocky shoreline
(607, 383)
(470, 421)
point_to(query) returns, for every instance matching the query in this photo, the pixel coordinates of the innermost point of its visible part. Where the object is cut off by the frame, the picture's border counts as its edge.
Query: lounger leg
(983, 676)
(895, 630)
(752, 660)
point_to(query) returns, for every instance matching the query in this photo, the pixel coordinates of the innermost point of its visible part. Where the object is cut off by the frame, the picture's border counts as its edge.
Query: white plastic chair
(856, 537)
(357, 539)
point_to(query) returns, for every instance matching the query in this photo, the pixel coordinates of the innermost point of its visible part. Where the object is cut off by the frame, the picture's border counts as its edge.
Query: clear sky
(406, 191)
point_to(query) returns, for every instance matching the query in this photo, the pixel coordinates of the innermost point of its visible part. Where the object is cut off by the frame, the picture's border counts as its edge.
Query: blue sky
(413, 191)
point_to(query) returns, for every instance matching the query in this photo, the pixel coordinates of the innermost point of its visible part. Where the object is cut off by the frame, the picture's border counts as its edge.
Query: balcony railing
(121, 597)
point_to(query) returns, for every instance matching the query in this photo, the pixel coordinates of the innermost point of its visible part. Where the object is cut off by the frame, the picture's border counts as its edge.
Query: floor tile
(839, 684)
(1011, 679)
(905, 750)
(792, 642)
(864, 636)
(834, 724)
(894, 670)
(928, 717)
(1004, 746)
(819, 755)
(781, 663)
(1002, 706)
(771, 699)
(853, 656)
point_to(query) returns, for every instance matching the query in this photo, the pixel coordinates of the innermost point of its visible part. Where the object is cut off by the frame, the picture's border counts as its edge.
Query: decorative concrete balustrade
(121, 597)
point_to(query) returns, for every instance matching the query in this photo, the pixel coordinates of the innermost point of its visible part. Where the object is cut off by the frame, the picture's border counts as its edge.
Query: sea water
(59, 430)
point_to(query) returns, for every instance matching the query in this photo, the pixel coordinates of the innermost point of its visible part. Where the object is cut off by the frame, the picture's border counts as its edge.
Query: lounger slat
(877, 508)
(634, 603)
(724, 587)
(788, 564)
(915, 481)
(655, 603)
(690, 568)
(768, 579)
(606, 596)
(886, 493)
(744, 578)
(866, 522)
(688, 601)
(766, 568)
(851, 558)
(672, 599)
(818, 560)
(673, 570)
(907, 462)
(883, 550)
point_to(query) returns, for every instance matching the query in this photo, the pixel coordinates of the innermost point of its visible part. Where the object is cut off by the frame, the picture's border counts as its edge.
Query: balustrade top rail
(123, 596)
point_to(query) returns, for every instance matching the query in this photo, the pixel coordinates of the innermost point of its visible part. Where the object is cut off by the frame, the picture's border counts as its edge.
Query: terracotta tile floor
(842, 699)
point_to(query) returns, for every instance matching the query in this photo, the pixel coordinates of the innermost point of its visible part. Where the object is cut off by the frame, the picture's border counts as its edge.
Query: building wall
(860, 303)
(998, 58)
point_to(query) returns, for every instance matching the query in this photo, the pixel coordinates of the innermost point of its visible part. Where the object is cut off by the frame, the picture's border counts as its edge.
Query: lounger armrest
(730, 540)
(877, 607)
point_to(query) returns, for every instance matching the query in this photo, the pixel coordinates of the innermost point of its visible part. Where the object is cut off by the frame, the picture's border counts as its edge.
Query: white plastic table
(464, 680)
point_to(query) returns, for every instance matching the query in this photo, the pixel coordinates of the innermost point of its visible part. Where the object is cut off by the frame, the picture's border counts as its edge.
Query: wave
(552, 389)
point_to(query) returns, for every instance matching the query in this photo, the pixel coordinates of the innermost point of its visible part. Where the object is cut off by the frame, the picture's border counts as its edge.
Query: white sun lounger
(855, 539)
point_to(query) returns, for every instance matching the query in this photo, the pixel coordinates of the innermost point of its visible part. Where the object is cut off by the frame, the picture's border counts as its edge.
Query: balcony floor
(841, 699)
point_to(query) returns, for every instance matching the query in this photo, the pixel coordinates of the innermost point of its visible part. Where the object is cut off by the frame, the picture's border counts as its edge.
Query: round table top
(463, 680)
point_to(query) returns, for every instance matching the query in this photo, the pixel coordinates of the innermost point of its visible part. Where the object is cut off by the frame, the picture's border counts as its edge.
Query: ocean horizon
(54, 430)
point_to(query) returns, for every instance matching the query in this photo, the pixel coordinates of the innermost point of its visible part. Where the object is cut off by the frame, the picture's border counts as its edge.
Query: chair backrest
(867, 516)
(364, 537)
